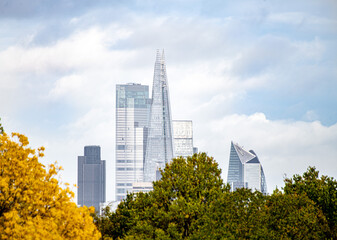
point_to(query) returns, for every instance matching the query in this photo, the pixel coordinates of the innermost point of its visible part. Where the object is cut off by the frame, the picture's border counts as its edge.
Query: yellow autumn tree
(32, 204)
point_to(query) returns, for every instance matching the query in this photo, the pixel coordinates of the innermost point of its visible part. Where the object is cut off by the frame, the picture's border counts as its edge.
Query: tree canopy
(185, 192)
(321, 190)
(32, 204)
(191, 201)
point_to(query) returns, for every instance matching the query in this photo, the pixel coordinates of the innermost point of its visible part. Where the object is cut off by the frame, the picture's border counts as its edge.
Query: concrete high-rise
(245, 170)
(91, 178)
(159, 144)
(182, 138)
(132, 119)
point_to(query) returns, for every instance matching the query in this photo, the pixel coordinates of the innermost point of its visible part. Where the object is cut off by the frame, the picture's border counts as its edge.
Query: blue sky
(260, 73)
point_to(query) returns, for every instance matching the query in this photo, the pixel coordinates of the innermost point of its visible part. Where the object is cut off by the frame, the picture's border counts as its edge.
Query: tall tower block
(159, 149)
(91, 178)
(132, 113)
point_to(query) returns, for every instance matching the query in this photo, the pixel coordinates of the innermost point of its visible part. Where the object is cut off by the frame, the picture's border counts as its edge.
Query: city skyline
(146, 137)
(260, 73)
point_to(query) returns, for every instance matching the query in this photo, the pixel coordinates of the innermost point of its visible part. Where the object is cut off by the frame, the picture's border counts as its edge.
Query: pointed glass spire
(159, 145)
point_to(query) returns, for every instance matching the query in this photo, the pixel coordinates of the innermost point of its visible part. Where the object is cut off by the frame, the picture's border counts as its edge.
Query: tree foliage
(293, 216)
(322, 191)
(235, 215)
(1, 128)
(188, 187)
(32, 204)
(191, 202)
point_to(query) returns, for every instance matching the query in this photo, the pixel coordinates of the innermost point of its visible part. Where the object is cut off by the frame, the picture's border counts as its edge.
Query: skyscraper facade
(91, 178)
(182, 138)
(159, 143)
(132, 120)
(245, 170)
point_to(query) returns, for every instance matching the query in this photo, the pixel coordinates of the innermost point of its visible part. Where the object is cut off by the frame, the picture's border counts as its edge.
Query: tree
(32, 204)
(322, 191)
(293, 216)
(244, 214)
(1, 128)
(235, 215)
(187, 187)
(191, 202)
(114, 225)
(172, 210)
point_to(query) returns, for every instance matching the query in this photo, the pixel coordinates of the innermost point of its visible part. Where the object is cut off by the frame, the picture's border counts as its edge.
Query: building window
(121, 190)
(120, 147)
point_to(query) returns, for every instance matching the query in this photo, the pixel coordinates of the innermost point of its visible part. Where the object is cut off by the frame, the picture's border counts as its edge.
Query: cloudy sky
(260, 73)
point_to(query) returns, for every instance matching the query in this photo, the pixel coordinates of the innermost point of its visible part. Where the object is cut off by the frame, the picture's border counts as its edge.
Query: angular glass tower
(132, 120)
(159, 144)
(245, 170)
(91, 178)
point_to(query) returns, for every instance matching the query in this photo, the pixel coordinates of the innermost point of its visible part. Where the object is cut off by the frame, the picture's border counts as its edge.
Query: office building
(144, 187)
(182, 138)
(159, 144)
(91, 178)
(245, 170)
(132, 119)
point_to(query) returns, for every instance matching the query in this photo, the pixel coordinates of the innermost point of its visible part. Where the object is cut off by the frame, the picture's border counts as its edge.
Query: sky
(259, 73)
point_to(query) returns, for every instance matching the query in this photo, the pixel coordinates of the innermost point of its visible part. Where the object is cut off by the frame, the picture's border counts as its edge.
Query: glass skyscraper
(91, 178)
(132, 119)
(182, 138)
(159, 145)
(245, 170)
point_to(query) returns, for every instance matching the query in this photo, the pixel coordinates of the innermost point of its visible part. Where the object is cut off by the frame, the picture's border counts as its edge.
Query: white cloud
(283, 147)
(302, 18)
(66, 85)
(82, 50)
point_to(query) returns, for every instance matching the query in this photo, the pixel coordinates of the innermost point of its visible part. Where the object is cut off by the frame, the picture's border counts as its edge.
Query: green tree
(186, 190)
(293, 216)
(172, 210)
(130, 212)
(191, 202)
(235, 215)
(322, 191)
(244, 214)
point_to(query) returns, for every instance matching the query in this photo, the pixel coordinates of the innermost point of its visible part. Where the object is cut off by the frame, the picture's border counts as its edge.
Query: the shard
(245, 170)
(159, 150)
